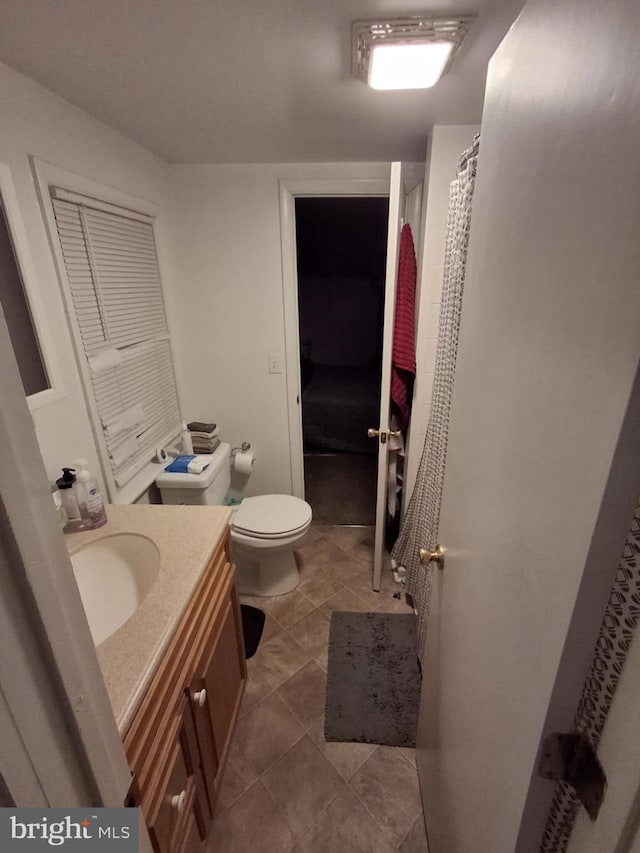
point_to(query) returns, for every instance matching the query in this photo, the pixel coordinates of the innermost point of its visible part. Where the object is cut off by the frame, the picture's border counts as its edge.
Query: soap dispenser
(69, 500)
(89, 498)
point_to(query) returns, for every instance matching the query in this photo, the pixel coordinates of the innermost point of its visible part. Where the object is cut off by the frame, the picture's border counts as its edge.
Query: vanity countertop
(186, 537)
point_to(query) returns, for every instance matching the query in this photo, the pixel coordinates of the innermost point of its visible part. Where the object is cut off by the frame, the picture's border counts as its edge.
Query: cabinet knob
(179, 801)
(200, 698)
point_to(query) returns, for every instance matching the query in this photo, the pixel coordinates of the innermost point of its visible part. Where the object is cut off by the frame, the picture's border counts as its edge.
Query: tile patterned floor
(285, 790)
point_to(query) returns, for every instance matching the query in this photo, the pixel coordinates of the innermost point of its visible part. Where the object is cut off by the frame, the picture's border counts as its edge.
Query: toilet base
(272, 574)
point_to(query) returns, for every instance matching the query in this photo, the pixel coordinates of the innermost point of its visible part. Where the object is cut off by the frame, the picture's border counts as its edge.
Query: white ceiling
(243, 81)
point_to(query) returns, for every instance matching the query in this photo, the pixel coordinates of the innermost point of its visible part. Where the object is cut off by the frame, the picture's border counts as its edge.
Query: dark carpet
(373, 679)
(341, 487)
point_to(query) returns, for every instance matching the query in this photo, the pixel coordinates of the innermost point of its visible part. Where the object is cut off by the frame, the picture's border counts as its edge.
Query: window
(18, 315)
(115, 294)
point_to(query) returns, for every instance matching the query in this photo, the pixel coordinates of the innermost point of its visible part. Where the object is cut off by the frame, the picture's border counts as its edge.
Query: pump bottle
(92, 511)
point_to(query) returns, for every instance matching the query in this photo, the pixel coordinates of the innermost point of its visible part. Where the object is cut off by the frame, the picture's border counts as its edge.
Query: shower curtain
(420, 525)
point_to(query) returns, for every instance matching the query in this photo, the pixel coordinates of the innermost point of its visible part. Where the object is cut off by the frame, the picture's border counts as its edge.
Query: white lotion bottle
(89, 498)
(187, 443)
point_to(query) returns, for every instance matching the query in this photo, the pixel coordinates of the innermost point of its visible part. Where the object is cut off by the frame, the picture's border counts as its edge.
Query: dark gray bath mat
(373, 679)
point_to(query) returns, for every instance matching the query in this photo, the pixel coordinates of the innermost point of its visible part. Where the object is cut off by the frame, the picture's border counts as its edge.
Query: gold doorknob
(436, 557)
(384, 434)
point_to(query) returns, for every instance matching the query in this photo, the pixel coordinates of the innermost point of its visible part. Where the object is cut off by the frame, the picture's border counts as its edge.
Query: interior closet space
(341, 251)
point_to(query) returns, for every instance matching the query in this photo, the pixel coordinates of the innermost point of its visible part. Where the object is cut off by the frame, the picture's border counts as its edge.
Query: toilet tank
(209, 488)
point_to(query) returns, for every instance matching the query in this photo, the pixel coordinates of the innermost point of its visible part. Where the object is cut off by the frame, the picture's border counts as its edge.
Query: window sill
(139, 484)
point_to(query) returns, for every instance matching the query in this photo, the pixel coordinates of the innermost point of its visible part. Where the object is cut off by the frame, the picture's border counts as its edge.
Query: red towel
(403, 359)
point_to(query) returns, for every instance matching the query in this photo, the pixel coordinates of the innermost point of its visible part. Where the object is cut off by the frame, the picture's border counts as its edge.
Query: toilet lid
(271, 515)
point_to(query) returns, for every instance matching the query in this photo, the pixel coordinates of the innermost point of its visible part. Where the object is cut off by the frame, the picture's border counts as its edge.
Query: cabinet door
(216, 690)
(180, 803)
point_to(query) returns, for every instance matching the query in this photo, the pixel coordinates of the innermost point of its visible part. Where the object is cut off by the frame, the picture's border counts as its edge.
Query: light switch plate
(275, 362)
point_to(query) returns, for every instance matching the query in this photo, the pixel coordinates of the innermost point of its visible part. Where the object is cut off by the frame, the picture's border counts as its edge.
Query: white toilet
(264, 529)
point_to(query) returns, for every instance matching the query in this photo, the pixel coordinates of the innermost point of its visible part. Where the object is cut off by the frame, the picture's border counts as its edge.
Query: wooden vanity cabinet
(178, 741)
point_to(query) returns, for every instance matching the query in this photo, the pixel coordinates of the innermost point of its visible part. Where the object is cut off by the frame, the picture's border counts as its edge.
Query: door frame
(290, 189)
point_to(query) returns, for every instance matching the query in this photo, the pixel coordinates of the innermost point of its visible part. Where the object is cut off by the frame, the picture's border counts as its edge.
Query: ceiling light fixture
(406, 53)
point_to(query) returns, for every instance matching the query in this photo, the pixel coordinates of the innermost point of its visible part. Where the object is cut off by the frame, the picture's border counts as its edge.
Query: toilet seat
(272, 537)
(271, 517)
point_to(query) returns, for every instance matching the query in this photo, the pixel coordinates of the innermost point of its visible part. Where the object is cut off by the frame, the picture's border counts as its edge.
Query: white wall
(227, 278)
(222, 242)
(37, 122)
(446, 145)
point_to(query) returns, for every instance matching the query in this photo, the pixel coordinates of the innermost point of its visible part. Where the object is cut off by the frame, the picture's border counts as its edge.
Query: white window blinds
(114, 285)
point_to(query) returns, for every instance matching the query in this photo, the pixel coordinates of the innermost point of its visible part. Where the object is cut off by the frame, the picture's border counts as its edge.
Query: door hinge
(571, 758)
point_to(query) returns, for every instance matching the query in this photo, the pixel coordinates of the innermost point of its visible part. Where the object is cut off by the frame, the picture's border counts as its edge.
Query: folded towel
(189, 464)
(200, 426)
(203, 436)
(200, 446)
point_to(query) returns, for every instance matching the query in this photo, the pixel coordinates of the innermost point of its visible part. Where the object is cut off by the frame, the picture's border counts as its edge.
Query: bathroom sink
(114, 575)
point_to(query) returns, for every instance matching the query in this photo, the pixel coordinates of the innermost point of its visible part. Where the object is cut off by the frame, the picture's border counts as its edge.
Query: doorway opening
(341, 254)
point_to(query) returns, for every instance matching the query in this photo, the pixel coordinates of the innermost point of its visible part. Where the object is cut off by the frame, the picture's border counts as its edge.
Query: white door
(396, 212)
(543, 463)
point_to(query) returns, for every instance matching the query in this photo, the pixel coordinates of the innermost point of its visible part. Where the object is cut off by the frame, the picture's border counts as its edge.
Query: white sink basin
(114, 575)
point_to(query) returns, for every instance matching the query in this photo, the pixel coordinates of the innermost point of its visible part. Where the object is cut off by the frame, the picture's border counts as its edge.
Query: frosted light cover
(408, 66)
